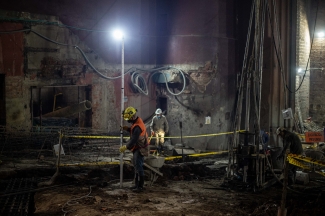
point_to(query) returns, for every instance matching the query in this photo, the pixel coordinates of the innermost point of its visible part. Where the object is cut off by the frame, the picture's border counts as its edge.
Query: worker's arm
(135, 136)
(287, 143)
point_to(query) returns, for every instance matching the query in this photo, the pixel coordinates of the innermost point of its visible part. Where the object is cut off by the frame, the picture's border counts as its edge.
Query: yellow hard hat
(128, 113)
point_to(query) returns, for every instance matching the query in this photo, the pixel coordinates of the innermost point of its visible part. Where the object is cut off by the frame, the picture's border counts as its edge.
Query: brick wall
(302, 53)
(317, 76)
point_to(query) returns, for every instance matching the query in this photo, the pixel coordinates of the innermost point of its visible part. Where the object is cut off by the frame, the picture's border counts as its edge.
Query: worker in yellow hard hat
(138, 144)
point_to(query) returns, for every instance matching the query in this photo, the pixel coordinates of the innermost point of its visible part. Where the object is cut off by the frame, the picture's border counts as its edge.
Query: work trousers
(138, 161)
(160, 138)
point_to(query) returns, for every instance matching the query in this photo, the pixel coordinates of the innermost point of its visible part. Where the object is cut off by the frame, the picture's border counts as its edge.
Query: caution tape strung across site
(195, 155)
(299, 160)
(102, 163)
(297, 163)
(170, 137)
(305, 159)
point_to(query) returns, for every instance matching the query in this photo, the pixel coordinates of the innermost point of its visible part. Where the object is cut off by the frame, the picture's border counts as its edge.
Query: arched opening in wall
(68, 106)
(2, 100)
(162, 104)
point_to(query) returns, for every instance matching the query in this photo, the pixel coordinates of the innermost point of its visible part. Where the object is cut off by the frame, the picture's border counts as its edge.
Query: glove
(126, 128)
(123, 148)
(152, 133)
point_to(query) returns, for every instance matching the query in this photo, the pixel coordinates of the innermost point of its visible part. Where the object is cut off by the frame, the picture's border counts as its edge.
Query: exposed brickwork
(302, 53)
(317, 76)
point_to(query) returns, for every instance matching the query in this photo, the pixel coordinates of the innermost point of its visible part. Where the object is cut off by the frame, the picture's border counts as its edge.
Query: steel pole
(122, 108)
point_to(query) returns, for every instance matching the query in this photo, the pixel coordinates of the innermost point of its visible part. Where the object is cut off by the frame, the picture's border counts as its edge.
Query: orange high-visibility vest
(142, 142)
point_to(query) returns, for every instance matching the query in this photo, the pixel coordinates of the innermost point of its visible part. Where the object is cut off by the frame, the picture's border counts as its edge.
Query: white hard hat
(158, 111)
(278, 131)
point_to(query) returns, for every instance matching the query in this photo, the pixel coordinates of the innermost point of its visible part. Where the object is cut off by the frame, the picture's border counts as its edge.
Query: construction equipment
(153, 164)
(248, 159)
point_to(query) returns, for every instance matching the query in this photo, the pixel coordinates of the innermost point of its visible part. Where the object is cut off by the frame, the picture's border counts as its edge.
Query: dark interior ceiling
(141, 48)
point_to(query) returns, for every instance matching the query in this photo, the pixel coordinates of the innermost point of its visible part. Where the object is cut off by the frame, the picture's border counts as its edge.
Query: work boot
(136, 182)
(140, 185)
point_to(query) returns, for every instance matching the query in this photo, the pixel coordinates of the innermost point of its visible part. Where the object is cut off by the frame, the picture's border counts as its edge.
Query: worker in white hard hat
(159, 127)
(292, 141)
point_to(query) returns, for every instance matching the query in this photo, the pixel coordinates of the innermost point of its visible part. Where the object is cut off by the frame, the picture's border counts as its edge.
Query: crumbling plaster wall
(47, 63)
(208, 93)
(197, 37)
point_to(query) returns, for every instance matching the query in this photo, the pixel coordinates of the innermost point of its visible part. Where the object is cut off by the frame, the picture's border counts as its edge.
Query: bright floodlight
(321, 34)
(299, 70)
(118, 34)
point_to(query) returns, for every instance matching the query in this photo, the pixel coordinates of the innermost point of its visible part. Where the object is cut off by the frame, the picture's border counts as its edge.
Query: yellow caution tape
(171, 137)
(321, 173)
(127, 162)
(297, 163)
(306, 159)
(196, 155)
(92, 164)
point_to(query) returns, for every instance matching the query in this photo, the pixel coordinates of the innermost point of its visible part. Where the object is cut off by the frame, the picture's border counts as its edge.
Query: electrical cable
(277, 52)
(280, 54)
(137, 80)
(311, 46)
(72, 202)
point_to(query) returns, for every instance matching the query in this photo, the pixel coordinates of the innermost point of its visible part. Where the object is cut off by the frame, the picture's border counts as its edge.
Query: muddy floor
(95, 192)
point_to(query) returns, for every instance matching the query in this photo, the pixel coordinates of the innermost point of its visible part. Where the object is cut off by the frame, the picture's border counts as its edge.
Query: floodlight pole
(122, 109)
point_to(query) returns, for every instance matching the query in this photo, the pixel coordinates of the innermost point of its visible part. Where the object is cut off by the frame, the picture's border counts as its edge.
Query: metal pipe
(122, 108)
(40, 107)
(180, 126)
(70, 110)
(31, 106)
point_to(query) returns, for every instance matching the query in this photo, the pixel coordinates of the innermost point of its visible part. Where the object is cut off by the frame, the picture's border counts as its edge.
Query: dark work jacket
(139, 137)
(292, 141)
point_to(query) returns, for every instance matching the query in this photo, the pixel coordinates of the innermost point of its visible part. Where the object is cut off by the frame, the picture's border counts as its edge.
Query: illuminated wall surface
(204, 39)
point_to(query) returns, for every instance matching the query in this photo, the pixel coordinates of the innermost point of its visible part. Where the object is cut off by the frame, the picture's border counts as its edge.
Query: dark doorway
(2, 100)
(48, 100)
(162, 104)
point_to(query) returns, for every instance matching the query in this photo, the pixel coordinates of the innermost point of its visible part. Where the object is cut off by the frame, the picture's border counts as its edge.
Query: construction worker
(159, 127)
(291, 141)
(138, 144)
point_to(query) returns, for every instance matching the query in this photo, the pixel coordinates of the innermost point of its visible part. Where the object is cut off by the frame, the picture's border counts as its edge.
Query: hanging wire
(278, 53)
(137, 80)
(311, 46)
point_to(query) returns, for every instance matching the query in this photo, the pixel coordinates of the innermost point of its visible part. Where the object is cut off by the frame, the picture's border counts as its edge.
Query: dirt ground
(96, 193)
